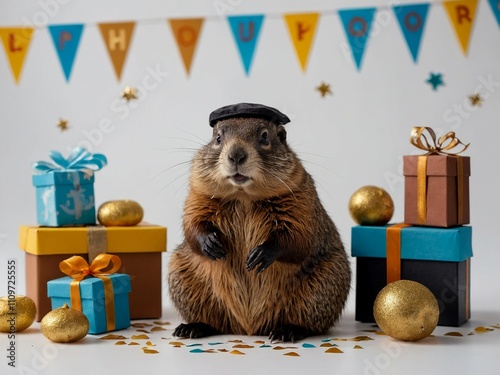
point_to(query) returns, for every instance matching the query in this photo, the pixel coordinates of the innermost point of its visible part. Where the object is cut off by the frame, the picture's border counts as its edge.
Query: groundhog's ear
(281, 133)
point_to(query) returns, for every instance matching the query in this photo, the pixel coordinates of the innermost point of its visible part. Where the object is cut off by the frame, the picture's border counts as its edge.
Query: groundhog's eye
(218, 139)
(264, 138)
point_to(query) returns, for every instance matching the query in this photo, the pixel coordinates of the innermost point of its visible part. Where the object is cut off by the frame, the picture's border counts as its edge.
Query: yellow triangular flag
(302, 28)
(186, 33)
(462, 14)
(117, 38)
(16, 41)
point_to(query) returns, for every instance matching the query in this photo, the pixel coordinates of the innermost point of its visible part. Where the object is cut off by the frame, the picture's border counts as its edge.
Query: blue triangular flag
(246, 33)
(357, 24)
(412, 22)
(66, 39)
(495, 7)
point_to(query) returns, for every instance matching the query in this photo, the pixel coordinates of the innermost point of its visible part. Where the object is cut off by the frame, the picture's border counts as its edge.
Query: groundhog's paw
(212, 247)
(194, 330)
(264, 255)
(288, 333)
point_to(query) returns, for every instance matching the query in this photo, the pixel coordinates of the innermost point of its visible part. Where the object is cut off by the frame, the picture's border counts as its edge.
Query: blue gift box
(93, 302)
(438, 258)
(65, 190)
(65, 198)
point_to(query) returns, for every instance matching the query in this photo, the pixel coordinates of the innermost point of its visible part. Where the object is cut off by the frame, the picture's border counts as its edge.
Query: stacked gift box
(434, 245)
(117, 265)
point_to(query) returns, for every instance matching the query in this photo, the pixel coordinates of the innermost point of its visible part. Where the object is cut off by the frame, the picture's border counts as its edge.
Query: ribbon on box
(441, 146)
(393, 252)
(78, 160)
(102, 266)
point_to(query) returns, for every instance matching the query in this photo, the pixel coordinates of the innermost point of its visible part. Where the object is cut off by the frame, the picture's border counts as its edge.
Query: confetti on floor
(357, 347)
(150, 351)
(197, 350)
(140, 337)
(160, 323)
(176, 343)
(190, 345)
(497, 326)
(482, 329)
(243, 346)
(149, 343)
(223, 350)
(134, 343)
(326, 340)
(307, 345)
(259, 342)
(120, 343)
(456, 334)
(237, 352)
(113, 337)
(265, 346)
(142, 330)
(140, 325)
(235, 341)
(215, 343)
(292, 354)
(333, 350)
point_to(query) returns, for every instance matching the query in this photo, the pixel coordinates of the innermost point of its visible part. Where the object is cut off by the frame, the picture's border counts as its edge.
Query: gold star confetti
(63, 124)
(324, 89)
(129, 93)
(476, 100)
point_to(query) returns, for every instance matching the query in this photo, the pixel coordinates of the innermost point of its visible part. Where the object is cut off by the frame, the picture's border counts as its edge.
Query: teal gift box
(93, 301)
(65, 190)
(438, 258)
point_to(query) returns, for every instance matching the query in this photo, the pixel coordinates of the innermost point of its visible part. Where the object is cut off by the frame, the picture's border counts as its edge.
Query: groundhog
(260, 254)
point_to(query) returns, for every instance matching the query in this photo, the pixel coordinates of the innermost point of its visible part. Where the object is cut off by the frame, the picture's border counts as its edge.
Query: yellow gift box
(139, 247)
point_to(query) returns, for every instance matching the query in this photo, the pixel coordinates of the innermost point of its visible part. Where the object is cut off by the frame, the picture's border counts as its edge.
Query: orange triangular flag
(186, 33)
(117, 37)
(16, 41)
(462, 14)
(302, 28)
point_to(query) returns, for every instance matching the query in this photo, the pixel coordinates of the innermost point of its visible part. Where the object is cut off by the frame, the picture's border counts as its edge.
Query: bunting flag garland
(186, 33)
(495, 8)
(66, 39)
(246, 31)
(117, 37)
(357, 25)
(462, 14)
(302, 28)
(16, 42)
(411, 19)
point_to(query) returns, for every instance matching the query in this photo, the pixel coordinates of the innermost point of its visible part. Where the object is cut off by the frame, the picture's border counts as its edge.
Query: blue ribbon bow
(79, 160)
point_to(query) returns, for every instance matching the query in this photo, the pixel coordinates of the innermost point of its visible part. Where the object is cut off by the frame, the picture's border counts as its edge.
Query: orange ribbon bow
(442, 146)
(103, 265)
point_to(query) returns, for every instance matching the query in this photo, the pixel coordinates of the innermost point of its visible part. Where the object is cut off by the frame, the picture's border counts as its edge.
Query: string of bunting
(356, 22)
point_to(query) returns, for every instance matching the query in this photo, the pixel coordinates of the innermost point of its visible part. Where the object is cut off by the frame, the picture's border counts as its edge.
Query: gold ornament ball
(64, 325)
(371, 205)
(120, 213)
(16, 313)
(406, 310)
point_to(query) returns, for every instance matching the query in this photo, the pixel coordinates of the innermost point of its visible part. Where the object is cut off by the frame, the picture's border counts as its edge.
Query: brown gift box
(442, 196)
(139, 247)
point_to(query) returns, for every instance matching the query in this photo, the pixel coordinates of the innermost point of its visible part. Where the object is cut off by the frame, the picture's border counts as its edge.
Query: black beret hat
(248, 110)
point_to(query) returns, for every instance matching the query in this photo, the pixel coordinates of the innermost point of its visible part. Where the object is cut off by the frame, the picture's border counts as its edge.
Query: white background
(354, 138)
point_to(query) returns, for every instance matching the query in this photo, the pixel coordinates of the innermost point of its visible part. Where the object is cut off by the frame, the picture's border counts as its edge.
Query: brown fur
(309, 282)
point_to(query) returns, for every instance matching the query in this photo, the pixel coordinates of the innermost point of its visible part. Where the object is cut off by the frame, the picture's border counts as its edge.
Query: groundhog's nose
(237, 155)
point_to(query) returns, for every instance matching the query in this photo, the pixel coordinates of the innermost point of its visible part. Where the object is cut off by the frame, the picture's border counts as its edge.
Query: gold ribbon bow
(103, 265)
(441, 146)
